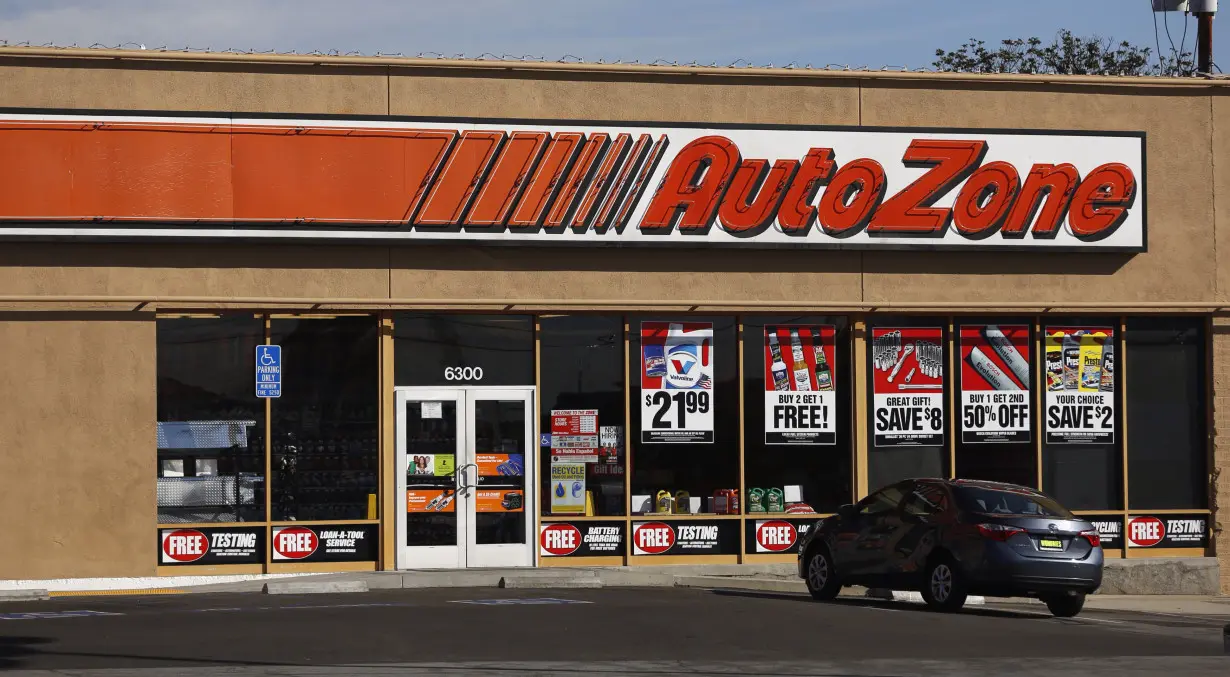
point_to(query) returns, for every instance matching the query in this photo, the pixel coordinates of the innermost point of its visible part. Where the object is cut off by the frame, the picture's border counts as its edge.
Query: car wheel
(943, 587)
(821, 579)
(1065, 606)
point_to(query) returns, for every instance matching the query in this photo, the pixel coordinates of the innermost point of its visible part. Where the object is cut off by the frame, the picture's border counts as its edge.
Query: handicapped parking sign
(268, 371)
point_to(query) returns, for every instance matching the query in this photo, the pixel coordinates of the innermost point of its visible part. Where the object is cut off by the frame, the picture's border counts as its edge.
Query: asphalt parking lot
(616, 626)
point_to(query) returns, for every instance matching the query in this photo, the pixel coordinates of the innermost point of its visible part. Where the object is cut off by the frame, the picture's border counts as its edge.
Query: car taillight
(1094, 538)
(998, 532)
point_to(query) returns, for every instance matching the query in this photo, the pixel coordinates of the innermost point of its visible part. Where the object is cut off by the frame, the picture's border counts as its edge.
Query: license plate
(1050, 544)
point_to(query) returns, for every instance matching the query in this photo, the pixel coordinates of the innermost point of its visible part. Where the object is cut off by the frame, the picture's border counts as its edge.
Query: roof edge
(586, 67)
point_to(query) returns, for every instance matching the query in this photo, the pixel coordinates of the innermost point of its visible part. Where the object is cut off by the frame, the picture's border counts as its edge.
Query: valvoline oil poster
(676, 382)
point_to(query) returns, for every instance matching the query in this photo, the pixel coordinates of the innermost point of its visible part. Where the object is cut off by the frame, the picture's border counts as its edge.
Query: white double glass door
(466, 477)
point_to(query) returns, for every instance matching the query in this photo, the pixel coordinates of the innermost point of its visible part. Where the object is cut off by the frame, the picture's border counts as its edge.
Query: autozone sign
(599, 184)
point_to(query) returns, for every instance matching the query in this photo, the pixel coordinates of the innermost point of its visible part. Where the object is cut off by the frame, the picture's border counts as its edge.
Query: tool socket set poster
(800, 406)
(907, 386)
(1080, 385)
(994, 383)
(676, 382)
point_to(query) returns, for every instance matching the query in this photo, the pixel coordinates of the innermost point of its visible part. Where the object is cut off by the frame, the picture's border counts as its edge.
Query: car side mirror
(848, 511)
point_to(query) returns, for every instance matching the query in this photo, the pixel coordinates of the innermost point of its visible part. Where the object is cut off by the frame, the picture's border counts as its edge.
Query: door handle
(461, 475)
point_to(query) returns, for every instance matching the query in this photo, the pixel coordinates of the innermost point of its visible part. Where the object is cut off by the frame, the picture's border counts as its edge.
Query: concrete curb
(549, 582)
(313, 587)
(748, 584)
(31, 595)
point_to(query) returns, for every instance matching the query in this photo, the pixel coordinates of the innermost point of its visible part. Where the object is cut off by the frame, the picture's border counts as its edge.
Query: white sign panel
(564, 183)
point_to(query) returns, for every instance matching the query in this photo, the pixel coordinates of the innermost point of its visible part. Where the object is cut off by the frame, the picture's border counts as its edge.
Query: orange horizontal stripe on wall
(189, 172)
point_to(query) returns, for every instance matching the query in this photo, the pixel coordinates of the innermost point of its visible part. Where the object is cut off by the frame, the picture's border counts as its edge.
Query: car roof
(980, 484)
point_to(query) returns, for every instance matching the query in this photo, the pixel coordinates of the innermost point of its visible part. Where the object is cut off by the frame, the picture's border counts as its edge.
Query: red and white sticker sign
(559, 540)
(1145, 532)
(291, 543)
(548, 183)
(775, 536)
(652, 538)
(184, 545)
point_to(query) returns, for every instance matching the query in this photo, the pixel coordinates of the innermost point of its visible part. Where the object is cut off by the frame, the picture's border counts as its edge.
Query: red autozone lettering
(653, 538)
(558, 540)
(775, 536)
(184, 545)
(295, 542)
(1144, 532)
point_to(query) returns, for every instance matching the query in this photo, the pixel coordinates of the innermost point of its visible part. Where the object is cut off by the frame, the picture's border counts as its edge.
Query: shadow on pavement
(14, 649)
(878, 604)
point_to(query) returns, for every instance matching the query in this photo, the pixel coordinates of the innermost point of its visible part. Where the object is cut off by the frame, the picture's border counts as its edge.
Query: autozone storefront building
(320, 314)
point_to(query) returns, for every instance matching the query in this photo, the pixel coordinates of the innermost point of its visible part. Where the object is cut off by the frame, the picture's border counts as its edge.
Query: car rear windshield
(1008, 502)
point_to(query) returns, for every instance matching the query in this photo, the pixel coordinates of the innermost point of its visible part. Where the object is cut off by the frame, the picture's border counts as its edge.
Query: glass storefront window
(683, 378)
(1081, 419)
(996, 417)
(797, 437)
(325, 426)
(581, 368)
(211, 426)
(907, 399)
(1165, 363)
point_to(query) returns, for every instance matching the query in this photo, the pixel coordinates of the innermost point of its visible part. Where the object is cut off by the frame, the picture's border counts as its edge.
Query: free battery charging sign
(268, 371)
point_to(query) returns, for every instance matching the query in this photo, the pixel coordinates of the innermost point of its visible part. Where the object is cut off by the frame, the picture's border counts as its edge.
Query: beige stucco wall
(77, 434)
(1188, 139)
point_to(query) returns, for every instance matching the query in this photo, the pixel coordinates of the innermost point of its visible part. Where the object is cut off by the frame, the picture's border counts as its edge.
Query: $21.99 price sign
(676, 382)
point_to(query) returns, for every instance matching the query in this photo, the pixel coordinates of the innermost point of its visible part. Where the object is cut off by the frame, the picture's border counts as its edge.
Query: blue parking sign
(268, 371)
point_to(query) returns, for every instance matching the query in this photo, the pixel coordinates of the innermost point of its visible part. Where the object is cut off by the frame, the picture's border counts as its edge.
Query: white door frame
(467, 552)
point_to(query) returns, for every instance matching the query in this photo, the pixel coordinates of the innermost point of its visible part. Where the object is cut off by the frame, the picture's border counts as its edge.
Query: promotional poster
(691, 537)
(582, 539)
(907, 386)
(574, 435)
(1080, 385)
(1168, 531)
(775, 536)
(211, 545)
(995, 401)
(800, 404)
(676, 382)
(326, 543)
(567, 488)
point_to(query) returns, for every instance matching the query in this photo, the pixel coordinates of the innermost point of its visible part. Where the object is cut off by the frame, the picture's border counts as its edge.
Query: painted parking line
(295, 607)
(43, 615)
(521, 600)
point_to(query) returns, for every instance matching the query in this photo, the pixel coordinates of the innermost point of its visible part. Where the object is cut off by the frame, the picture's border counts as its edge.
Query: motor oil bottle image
(1108, 365)
(802, 377)
(1091, 362)
(1054, 368)
(824, 375)
(1071, 360)
(781, 379)
(683, 502)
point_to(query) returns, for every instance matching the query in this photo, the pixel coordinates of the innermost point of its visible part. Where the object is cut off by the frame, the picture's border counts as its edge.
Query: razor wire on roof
(737, 64)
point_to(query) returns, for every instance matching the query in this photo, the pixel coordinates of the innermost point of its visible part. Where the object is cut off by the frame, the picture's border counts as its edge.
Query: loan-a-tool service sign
(568, 183)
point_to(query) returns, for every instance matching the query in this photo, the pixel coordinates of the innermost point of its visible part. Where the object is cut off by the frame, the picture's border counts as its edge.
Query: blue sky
(871, 33)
